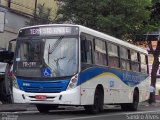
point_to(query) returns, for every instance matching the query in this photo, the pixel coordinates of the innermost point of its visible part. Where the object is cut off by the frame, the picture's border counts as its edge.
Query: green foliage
(155, 13)
(42, 15)
(120, 18)
(155, 1)
(124, 19)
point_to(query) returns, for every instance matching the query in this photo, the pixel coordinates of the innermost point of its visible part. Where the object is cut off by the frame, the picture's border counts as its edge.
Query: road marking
(20, 112)
(117, 114)
(156, 111)
(87, 117)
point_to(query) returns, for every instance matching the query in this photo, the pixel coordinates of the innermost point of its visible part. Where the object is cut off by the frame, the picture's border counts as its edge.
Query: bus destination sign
(48, 31)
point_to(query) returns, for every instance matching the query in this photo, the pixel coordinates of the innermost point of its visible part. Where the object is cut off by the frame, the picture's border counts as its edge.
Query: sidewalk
(156, 104)
(16, 107)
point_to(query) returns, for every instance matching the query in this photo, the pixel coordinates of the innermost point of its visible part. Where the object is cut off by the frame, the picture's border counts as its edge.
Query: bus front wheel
(98, 102)
(42, 108)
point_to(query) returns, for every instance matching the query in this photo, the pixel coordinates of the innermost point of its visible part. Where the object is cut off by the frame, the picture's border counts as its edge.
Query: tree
(154, 21)
(120, 18)
(123, 19)
(42, 15)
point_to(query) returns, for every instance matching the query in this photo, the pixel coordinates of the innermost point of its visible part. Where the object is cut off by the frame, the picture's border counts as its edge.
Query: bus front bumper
(69, 97)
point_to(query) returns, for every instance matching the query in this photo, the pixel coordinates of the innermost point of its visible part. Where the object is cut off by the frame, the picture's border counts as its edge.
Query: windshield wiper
(48, 53)
(50, 50)
(58, 41)
(57, 64)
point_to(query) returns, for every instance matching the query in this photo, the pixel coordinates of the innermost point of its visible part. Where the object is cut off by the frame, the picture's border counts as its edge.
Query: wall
(28, 6)
(13, 22)
(19, 12)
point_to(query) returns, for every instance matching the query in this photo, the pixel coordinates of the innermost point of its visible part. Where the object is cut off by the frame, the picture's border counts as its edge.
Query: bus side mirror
(12, 45)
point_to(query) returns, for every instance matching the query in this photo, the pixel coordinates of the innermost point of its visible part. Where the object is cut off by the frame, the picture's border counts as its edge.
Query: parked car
(6, 61)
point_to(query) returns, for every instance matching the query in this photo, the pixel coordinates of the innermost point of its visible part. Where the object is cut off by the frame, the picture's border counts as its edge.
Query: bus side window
(86, 49)
(100, 53)
(124, 55)
(134, 61)
(113, 55)
(143, 63)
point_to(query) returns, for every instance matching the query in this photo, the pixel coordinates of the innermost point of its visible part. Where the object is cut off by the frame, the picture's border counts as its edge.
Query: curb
(156, 104)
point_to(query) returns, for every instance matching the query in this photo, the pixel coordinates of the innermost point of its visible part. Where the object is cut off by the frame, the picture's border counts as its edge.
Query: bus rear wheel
(98, 102)
(132, 106)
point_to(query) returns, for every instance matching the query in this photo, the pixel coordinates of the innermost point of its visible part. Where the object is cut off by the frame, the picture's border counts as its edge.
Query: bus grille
(43, 86)
(43, 89)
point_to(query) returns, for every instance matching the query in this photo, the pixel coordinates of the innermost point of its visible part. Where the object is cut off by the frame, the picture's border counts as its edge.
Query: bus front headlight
(73, 82)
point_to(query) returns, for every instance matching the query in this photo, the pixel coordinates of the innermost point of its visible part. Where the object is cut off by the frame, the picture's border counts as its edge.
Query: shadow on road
(77, 112)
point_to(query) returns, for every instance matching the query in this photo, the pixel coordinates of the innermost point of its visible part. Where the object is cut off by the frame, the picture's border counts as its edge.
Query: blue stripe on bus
(43, 86)
(56, 86)
(128, 77)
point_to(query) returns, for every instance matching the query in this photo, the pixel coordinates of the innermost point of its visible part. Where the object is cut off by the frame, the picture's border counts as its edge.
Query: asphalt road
(111, 113)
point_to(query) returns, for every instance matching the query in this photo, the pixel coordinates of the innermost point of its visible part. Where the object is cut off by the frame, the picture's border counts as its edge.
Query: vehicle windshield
(53, 57)
(60, 55)
(29, 51)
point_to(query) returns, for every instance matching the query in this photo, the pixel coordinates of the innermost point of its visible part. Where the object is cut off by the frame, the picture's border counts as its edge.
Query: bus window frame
(94, 51)
(117, 57)
(83, 37)
(127, 59)
(144, 63)
(49, 37)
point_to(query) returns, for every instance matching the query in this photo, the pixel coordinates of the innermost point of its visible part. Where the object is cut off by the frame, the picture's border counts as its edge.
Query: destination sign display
(48, 31)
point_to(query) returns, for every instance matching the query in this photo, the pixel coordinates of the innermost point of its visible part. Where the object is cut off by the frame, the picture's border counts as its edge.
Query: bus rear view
(45, 66)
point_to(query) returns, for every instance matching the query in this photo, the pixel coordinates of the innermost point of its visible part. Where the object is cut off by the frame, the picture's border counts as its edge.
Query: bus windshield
(58, 55)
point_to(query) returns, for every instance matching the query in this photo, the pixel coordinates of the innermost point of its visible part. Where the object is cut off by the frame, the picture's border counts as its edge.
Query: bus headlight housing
(73, 82)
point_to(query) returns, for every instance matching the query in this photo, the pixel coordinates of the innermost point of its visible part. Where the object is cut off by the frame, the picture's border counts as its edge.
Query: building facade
(17, 13)
(28, 6)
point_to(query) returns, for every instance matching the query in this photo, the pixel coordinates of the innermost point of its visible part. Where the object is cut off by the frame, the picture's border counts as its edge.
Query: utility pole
(2, 21)
(9, 3)
(35, 8)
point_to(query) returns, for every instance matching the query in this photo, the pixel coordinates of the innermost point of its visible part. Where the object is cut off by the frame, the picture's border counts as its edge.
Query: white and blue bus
(64, 64)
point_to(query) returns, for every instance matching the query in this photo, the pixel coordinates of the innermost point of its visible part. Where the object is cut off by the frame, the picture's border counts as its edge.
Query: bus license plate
(41, 97)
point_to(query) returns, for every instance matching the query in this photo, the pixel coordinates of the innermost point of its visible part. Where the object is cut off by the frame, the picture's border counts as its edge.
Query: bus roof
(99, 35)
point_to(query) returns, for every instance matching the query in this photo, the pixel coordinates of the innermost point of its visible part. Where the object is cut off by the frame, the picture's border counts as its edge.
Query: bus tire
(98, 102)
(43, 108)
(132, 106)
(124, 106)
